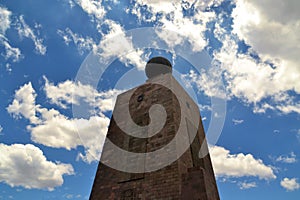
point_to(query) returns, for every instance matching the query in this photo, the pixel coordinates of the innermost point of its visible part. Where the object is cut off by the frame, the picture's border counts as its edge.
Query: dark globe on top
(157, 66)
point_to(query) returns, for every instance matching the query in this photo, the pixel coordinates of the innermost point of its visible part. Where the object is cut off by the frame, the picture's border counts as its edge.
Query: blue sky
(254, 48)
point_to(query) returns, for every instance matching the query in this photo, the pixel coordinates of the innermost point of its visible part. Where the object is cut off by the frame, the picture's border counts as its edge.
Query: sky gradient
(253, 48)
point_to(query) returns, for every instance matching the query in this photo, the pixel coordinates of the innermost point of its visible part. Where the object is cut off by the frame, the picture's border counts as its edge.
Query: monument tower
(164, 162)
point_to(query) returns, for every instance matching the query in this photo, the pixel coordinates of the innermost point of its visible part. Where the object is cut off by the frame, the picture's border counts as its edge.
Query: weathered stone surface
(189, 177)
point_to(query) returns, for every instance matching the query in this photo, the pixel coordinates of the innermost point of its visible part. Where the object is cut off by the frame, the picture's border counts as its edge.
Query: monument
(153, 171)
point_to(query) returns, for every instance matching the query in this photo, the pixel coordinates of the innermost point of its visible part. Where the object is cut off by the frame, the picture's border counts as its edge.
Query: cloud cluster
(274, 39)
(290, 184)
(109, 46)
(92, 7)
(83, 43)
(169, 15)
(5, 23)
(27, 166)
(25, 31)
(256, 82)
(11, 53)
(53, 129)
(239, 165)
(266, 76)
(273, 33)
(208, 82)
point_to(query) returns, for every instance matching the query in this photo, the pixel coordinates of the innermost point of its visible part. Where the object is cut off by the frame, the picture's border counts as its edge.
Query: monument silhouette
(153, 171)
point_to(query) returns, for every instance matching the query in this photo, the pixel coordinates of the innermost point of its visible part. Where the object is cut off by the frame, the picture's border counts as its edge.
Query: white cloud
(295, 107)
(253, 81)
(10, 52)
(172, 18)
(83, 44)
(268, 83)
(110, 46)
(92, 7)
(238, 165)
(170, 6)
(205, 4)
(58, 131)
(24, 103)
(25, 31)
(237, 121)
(51, 128)
(287, 159)
(27, 166)
(204, 107)
(13, 53)
(69, 92)
(1, 129)
(245, 185)
(191, 29)
(157, 6)
(273, 33)
(208, 82)
(247, 79)
(4, 20)
(290, 184)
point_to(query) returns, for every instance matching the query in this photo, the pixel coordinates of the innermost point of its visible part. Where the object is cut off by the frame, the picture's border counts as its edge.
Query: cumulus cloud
(191, 29)
(92, 7)
(239, 165)
(69, 92)
(59, 131)
(110, 46)
(254, 81)
(172, 18)
(274, 76)
(24, 103)
(51, 128)
(25, 31)
(290, 184)
(27, 166)
(271, 32)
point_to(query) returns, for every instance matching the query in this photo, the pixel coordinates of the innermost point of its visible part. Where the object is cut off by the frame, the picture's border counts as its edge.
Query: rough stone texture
(189, 177)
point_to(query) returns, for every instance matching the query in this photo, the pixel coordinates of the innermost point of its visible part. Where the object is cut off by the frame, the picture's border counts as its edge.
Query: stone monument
(188, 175)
